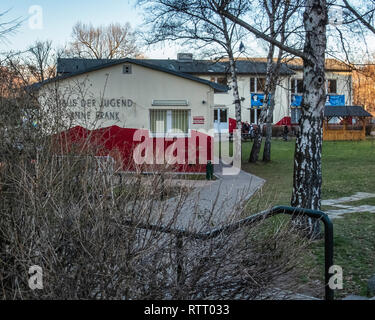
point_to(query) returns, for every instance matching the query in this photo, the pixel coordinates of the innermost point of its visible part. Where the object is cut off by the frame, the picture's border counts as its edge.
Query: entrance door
(221, 120)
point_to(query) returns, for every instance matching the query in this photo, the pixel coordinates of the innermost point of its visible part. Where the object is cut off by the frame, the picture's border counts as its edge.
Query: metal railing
(251, 220)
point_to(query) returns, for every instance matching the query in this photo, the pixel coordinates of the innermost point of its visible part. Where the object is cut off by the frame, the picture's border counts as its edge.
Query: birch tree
(279, 13)
(307, 176)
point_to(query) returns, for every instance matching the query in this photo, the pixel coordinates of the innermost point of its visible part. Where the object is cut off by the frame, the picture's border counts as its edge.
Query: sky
(54, 20)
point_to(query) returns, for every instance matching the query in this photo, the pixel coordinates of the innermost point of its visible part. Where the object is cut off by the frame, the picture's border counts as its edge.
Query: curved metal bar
(316, 214)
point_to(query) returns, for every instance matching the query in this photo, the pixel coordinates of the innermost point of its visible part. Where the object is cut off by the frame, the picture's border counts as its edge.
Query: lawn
(348, 167)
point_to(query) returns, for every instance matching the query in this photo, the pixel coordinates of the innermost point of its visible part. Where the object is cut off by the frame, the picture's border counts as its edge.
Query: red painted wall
(286, 121)
(187, 154)
(232, 124)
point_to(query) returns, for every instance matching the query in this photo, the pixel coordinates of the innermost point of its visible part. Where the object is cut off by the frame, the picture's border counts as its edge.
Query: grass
(347, 168)
(354, 251)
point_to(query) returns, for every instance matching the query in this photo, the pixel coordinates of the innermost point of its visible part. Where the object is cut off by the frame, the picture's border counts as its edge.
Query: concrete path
(342, 209)
(213, 203)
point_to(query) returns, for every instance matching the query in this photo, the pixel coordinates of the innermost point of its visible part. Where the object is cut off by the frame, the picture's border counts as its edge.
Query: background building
(251, 82)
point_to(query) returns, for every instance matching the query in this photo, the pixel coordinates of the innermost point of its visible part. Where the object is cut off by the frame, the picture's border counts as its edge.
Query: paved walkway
(213, 203)
(342, 209)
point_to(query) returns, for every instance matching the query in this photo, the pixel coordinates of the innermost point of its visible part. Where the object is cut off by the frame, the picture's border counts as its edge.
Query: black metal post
(328, 240)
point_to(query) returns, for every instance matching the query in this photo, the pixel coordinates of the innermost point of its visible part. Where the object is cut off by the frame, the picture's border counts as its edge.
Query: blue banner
(335, 100)
(257, 99)
(332, 100)
(296, 100)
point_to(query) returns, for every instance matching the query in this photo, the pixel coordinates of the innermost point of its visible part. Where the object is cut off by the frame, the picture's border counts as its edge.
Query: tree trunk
(237, 146)
(307, 178)
(236, 95)
(269, 119)
(233, 71)
(267, 142)
(254, 154)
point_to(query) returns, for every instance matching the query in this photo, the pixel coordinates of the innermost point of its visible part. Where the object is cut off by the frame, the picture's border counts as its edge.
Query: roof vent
(126, 69)
(185, 57)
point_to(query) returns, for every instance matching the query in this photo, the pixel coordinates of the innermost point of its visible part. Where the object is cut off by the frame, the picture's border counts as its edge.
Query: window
(252, 84)
(257, 85)
(220, 80)
(295, 115)
(223, 115)
(169, 121)
(180, 121)
(255, 115)
(158, 121)
(331, 86)
(296, 86)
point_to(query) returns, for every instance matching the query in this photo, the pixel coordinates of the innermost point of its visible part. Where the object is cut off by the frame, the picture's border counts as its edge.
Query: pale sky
(59, 17)
(54, 20)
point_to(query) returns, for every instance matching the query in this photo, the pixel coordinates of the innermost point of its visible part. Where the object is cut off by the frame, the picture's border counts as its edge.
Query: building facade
(175, 107)
(288, 96)
(251, 81)
(163, 115)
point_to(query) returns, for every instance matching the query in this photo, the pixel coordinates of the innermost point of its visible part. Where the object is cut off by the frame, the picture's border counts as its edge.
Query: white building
(251, 80)
(126, 103)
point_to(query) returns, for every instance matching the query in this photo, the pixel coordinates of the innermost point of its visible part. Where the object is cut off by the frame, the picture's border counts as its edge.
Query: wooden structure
(345, 130)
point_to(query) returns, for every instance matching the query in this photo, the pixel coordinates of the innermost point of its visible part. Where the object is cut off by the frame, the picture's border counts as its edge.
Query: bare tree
(365, 18)
(103, 42)
(198, 24)
(41, 64)
(307, 177)
(7, 28)
(36, 64)
(280, 26)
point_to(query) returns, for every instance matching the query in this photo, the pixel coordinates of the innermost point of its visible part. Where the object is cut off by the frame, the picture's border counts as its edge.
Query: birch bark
(307, 178)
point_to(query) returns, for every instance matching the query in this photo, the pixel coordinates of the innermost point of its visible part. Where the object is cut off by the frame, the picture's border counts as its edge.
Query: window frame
(328, 81)
(295, 112)
(294, 83)
(169, 120)
(255, 84)
(216, 80)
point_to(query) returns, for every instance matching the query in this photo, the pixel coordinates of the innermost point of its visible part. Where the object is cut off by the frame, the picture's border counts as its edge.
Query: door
(221, 120)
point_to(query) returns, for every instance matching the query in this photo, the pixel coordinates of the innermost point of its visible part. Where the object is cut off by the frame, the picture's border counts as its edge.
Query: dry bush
(88, 234)
(88, 227)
